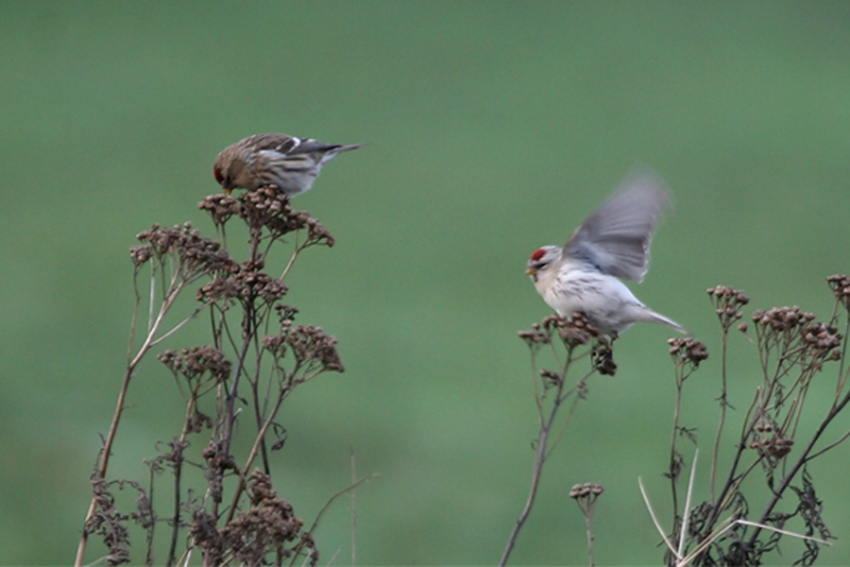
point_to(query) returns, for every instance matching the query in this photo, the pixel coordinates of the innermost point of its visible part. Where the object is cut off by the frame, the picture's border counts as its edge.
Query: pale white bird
(612, 243)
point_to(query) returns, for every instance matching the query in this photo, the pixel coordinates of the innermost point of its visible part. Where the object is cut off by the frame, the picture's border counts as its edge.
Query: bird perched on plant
(612, 243)
(290, 163)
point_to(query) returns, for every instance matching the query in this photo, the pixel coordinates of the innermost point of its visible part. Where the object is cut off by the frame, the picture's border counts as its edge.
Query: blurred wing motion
(617, 236)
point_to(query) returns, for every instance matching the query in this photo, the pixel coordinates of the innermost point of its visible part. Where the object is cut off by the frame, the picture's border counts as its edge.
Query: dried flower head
(308, 344)
(586, 496)
(727, 304)
(195, 362)
(686, 350)
(267, 209)
(773, 447)
(550, 378)
(140, 254)
(797, 333)
(782, 319)
(195, 254)
(246, 284)
(586, 489)
(573, 331)
(220, 208)
(602, 358)
(535, 336)
(268, 527)
(840, 285)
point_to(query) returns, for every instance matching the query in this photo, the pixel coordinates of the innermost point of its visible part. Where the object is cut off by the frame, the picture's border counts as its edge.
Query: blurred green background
(493, 128)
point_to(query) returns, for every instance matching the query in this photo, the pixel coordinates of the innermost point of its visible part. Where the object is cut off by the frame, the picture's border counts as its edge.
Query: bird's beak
(228, 191)
(530, 272)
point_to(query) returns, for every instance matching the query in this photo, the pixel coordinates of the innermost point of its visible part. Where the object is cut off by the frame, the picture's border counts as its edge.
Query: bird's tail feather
(654, 317)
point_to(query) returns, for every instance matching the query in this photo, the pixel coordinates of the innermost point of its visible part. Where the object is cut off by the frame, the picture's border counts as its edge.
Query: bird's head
(222, 180)
(227, 169)
(222, 175)
(541, 258)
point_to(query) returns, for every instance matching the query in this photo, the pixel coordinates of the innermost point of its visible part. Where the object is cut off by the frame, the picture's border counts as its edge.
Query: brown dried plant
(256, 357)
(794, 349)
(568, 340)
(586, 496)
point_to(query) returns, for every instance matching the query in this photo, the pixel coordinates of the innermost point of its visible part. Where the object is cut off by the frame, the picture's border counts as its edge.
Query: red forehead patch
(537, 254)
(218, 176)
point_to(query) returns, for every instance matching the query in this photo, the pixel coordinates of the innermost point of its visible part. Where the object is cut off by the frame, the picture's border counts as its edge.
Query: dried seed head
(269, 526)
(602, 358)
(195, 255)
(790, 328)
(266, 209)
(687, 350)
(196, 362)
(574, 331)
(220, 207)
(550, 378)
(535, 336)
(727, 304)
(840, 285)
(140, 254)
(586, 495)
(308, 344)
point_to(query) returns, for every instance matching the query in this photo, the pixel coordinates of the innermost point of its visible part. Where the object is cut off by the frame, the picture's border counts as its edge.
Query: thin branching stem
(106, 452)
(804, 458)
(723, 404)
(543, 447)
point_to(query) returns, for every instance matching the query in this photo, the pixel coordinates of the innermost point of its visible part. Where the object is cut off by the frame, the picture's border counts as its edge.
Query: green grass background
(493, 128)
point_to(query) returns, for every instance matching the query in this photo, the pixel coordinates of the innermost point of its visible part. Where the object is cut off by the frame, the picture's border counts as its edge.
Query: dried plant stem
(682, 560)
(261, 434)
(539, 459)
(179, 445)
(541, 454)
(291, 262)
(230, 399)
(588, 520)
(805, 457)
(150, 534)
(260, 438)
(353, 509)
(842, 376)
(723, 404)
(315, 524)
(676, 462)
(686, 513)
(107, 447)
(654, 516)
(167, 302)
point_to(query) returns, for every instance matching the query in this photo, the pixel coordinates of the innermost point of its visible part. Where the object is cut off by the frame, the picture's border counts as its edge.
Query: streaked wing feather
(288, 162)
(314, 146)
(616, 237)
(275, 142)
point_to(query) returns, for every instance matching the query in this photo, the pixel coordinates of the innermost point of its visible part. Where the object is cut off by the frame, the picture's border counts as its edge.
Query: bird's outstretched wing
(616, 237)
